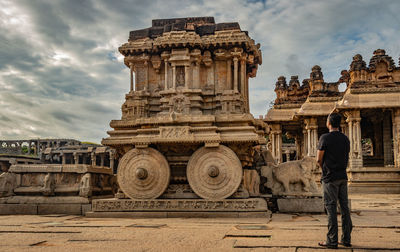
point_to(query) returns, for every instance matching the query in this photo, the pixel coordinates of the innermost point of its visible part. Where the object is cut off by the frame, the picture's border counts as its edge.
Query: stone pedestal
(374, 180)
(301, 205)
(53, 188)
(44, 205)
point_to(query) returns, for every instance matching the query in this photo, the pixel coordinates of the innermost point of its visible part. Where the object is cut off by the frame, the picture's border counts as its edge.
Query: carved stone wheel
(143, 173)
(214, 173)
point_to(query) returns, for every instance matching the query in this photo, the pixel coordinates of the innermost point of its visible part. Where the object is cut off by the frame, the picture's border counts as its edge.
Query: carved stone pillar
(355, 155)
(131, 70)
(396, 136)
(305, 143)
(243, 78)
(210, 74)
(276, 142)
(312, 136)
(165, 74)
(229, 74)
(387, 139)
(136, 78)
(112, 156)
(235, 74)
(343, 127)
(93, 157)
(173, 77)
(146, 76)
(196, 74)
(63, 158)
(287, 156)
(102, 156)
(76, 157)
(186, 76)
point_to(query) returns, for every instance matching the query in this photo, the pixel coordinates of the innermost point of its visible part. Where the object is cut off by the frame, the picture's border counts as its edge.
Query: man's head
(333, 121)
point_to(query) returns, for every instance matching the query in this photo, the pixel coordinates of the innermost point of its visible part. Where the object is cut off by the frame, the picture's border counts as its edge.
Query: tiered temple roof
(317, 97)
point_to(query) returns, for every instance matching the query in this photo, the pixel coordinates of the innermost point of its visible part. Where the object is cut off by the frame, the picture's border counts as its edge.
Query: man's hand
(320, 157)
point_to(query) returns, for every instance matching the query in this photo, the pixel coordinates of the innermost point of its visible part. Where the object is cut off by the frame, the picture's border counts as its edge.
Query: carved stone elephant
(295, 172)
(8, 182)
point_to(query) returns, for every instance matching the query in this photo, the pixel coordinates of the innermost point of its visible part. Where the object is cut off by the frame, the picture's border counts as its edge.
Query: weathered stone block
(86, 208)
(59, 209)
(8, 209)
(303, 205)
(299, 205)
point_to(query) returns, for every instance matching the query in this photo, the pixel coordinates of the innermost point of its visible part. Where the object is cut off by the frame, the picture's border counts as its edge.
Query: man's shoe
(345, 244)
(323, 244)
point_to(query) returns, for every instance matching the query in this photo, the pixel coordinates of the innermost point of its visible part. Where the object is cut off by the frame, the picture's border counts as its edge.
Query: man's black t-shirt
(336, 156)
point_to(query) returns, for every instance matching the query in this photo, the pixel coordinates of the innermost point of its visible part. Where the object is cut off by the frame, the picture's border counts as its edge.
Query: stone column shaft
(312, 136)
(243, 78)
(131, 70)
(93, 158)
(235, 74)
(210, 74)
(173, 77)
(111, 159)
(196, 74)
(355, 155)
(186, 76)
(229, 74)
(146, 67)
(396, 136)
(166, 75)
(276, 142)
(305, 143)
(76, 158)
(136, 79)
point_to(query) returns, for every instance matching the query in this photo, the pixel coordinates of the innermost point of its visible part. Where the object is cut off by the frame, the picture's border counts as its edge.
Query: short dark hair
(335, 119)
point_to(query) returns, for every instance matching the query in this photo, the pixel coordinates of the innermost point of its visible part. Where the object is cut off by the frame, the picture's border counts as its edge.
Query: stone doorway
(377, 138)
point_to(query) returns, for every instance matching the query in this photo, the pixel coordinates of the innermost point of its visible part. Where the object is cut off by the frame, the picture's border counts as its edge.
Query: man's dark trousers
(334, 191)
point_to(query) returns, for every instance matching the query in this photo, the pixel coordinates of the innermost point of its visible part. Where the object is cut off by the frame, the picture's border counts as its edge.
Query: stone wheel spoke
(143, 173)
(214, 173)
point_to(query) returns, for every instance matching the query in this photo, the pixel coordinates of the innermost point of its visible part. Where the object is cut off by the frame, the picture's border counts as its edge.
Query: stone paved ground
(376, 219)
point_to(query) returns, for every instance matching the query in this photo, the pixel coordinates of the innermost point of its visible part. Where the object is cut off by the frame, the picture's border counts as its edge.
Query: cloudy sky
(61, 74)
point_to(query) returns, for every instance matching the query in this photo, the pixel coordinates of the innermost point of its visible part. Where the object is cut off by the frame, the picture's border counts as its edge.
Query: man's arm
(320, 157)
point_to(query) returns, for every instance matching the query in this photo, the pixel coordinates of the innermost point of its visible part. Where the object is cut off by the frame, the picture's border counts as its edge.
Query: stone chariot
(186, 125)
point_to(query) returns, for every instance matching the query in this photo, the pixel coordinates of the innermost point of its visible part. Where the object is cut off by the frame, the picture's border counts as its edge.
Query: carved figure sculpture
(85, 189)
(8, 181)
(293, 177)
(296, 171)
(48, 185)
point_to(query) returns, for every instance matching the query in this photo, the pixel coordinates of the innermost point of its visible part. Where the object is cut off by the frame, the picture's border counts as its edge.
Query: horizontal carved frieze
(233, 205)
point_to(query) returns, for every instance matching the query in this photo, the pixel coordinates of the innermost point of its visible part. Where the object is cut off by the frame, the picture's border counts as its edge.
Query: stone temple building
(370, 106)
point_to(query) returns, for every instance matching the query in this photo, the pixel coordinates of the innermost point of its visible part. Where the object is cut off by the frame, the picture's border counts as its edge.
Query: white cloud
(61, 74)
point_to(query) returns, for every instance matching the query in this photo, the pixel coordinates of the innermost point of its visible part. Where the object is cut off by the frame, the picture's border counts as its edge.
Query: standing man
(332, 157)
